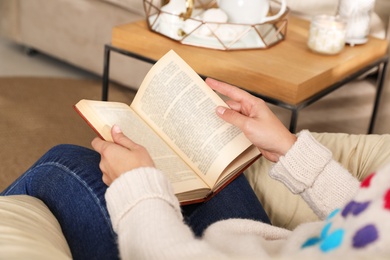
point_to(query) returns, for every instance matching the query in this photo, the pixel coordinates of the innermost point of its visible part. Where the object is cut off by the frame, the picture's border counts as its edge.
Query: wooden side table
(288, 74)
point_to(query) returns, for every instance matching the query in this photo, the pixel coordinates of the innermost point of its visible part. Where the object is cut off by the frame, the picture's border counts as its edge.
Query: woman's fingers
(236, 106)
(121, 139)
(232, 117)
(227, 90)
(98, 144)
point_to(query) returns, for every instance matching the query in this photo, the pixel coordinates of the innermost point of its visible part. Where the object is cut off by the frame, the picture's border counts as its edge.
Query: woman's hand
(255, 119)
(120, 156)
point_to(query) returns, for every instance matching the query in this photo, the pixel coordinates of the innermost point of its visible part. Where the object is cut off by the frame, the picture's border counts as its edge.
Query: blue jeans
(68, 180)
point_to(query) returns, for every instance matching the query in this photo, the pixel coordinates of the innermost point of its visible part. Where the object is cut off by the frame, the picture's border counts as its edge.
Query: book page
(181, 176)
(180, 106)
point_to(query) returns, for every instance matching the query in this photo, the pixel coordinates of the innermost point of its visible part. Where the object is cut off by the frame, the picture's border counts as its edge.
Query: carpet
(37, 114)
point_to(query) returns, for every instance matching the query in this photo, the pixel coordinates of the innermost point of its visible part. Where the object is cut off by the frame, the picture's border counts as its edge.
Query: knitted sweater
(147, 218)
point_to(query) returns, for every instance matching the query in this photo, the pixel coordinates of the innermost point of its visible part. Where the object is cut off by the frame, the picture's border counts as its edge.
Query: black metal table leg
(106, 72)
(381, 80)
(293, 120)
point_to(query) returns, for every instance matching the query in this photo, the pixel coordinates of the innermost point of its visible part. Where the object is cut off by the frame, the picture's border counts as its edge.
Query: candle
(327, 34)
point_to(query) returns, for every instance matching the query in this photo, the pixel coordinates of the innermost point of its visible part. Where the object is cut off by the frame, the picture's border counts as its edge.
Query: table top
(288, 71)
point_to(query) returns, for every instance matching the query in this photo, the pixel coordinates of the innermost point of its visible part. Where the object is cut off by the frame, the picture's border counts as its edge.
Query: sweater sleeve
(309, 170)
(146, 216)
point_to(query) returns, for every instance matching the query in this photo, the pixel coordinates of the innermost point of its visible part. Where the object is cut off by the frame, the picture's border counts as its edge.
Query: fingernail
(221, 110)
(116, 129)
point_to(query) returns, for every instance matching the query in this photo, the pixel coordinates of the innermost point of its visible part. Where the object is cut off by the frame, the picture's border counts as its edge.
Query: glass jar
(327, 34)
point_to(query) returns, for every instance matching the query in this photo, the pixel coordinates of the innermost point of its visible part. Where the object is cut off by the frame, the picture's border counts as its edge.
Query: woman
(150, 224)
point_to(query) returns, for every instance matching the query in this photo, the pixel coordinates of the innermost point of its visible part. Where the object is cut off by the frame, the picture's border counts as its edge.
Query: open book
(173, 116)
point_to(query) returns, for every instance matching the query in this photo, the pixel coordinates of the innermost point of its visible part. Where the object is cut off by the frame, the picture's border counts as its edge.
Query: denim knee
(74, 152)
(70, 149)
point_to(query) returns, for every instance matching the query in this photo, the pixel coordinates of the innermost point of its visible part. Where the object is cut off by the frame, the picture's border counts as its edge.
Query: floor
(345, 110)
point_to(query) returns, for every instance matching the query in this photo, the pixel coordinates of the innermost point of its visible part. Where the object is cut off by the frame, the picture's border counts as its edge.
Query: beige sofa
(75, 31)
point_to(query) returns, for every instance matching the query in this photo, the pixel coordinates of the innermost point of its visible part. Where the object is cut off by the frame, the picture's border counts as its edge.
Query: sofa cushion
(360, 154)
(135, 6)
(28, 230)
(310, 8)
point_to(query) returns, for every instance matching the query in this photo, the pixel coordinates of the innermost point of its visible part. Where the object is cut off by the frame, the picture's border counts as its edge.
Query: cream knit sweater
(146, 215)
